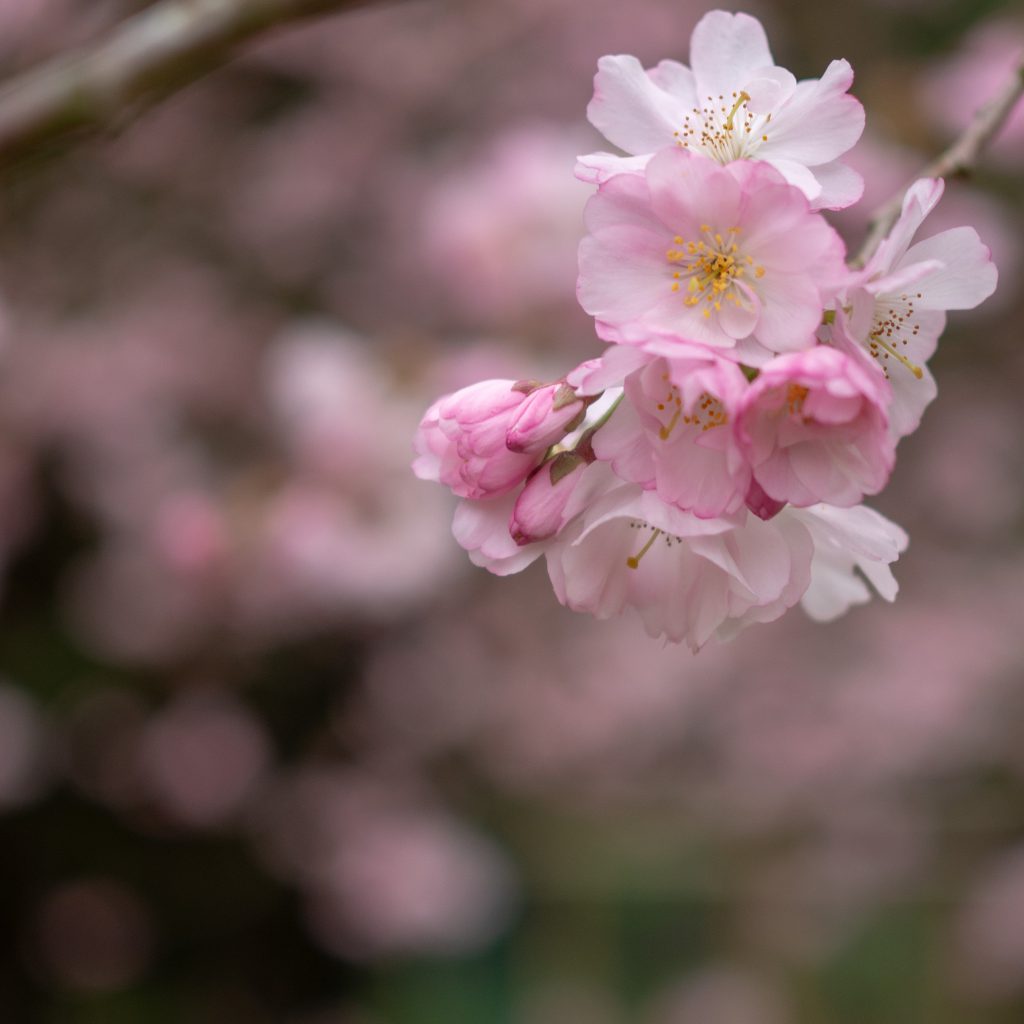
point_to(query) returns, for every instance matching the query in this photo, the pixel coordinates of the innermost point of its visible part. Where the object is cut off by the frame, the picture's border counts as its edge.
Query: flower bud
(461, 441)
(547, 415)
(760, 504)
(540, 509)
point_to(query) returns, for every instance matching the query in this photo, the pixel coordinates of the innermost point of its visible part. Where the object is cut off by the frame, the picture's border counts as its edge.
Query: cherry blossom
(897, 303)
(814, 428)
(707, 470)
(708, 253)
(688, 578)
(734, 103)
(672, 433)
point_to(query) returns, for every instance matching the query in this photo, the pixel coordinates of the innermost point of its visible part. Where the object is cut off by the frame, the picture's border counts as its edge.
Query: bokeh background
(271, 750)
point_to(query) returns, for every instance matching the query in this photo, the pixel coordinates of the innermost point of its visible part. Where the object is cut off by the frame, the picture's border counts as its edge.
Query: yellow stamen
(667, 430)
(916, 370)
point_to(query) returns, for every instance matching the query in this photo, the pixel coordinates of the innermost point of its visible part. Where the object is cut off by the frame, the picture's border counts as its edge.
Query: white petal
(820, 123)
(844, 539)
(630, 109)
(968, 277)
(725, 49)
(676, 79)
(596, 168)
(768, 88)
(481, 527)
(800, 176)
(920, 200)
(841, 186)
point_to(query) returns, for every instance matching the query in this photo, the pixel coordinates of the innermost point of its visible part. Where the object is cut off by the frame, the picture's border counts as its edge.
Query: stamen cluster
(707, 470)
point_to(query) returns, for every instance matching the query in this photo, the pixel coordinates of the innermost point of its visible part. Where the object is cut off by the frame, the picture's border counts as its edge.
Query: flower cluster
(707, 470)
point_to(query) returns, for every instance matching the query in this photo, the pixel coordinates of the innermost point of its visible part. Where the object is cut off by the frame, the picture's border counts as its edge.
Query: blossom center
(707, 414)
(723, 132)
(713, 268)
(796, 394)
(891, 330)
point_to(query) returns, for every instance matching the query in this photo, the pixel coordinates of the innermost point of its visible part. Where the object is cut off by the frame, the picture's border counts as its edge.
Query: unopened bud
(761, 504)
(540, 508)
(544, 418)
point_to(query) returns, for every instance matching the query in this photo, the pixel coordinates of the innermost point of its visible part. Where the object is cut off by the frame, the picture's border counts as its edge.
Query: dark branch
(958, 161)
(143, 61)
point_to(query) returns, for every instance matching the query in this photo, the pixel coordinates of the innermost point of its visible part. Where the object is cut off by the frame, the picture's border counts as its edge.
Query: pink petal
(790, 312)
(689, 189)
(623, 274)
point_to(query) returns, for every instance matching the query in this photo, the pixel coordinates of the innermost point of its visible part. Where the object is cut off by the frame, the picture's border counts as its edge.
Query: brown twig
(957, 161)
(144, 60)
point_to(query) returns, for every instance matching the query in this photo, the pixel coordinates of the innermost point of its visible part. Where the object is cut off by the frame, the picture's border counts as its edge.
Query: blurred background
(272, 750)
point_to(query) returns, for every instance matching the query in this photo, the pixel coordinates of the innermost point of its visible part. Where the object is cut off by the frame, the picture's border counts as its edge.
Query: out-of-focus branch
(144, 60)
(957, 161)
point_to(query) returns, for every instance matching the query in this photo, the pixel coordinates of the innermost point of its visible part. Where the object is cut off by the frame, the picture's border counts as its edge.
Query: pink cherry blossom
(897, 303)
(707, 253)
(814, 427)
(672, 432)
(733, 104)
(688, 578)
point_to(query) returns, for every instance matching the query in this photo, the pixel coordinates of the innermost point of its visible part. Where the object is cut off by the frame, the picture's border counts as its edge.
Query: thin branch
(957, 161)
(144, 60)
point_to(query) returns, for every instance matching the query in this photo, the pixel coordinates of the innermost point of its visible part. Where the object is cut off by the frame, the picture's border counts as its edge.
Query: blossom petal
(481, 527)
(630, 109)
(968, 277)
(921, 198)
(790, 312)
(841, 186)
(820, 123)
(725, 50)
(688, 190)
(597, 168)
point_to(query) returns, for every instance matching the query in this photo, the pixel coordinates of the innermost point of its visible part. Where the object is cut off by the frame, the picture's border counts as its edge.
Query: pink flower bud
(760, 504)
(546, 416)
(461, 440)
(539, 511)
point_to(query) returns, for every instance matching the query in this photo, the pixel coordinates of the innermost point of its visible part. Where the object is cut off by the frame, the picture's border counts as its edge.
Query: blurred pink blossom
(202, 758)
(955, 88)
(500, 232)
(385, 871)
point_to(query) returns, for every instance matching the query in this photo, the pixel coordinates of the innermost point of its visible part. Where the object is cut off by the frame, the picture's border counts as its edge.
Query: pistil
(634, 560)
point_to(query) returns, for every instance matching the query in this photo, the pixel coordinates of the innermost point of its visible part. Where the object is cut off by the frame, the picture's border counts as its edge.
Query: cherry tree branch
(144, 60)
(957, 161)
